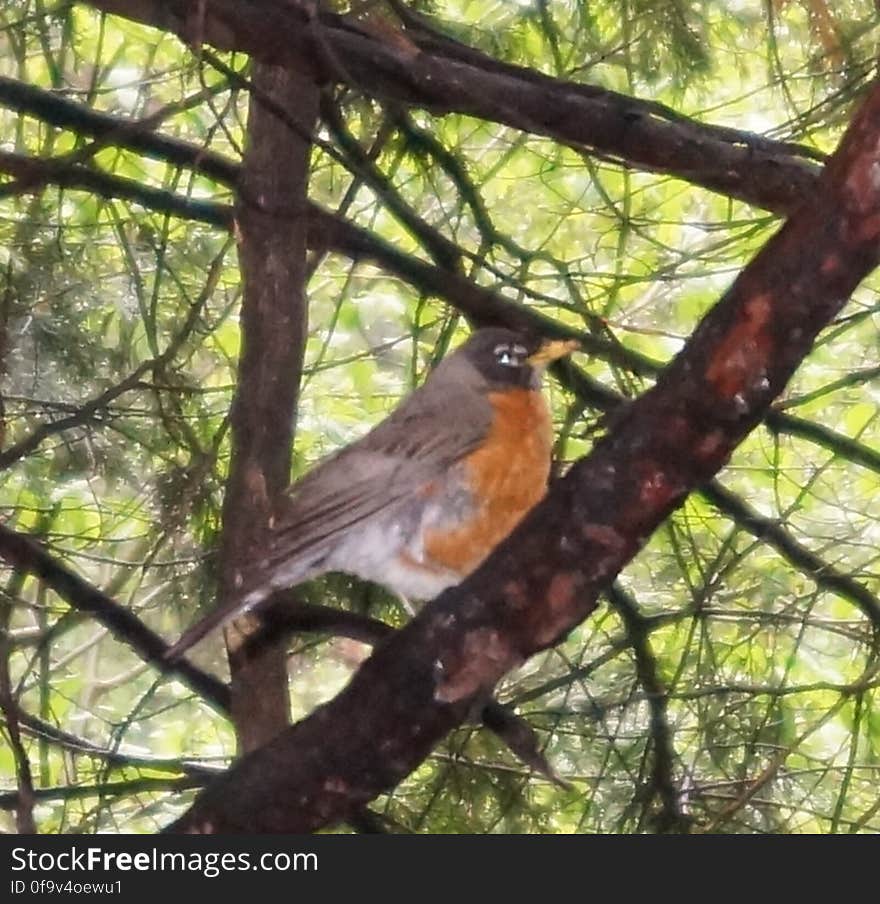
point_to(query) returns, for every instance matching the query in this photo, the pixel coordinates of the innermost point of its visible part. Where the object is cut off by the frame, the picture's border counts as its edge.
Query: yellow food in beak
(551, 350)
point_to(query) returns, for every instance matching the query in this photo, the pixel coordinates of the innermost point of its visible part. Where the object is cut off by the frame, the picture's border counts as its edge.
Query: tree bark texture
(546, 577)
(271, 227)
(411, 64)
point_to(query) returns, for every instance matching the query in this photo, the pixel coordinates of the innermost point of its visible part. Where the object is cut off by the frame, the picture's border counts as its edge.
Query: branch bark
(483, 306)
(546, 577)
(427, 70)
(272, 228)
(27, 556)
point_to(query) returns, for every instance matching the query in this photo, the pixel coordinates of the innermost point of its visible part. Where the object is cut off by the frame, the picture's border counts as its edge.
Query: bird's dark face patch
(502, 357)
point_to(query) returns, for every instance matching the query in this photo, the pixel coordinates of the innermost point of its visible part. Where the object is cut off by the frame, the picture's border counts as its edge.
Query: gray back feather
(436, 426)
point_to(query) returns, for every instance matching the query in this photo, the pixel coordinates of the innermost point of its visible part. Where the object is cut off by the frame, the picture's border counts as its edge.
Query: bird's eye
(510, 355)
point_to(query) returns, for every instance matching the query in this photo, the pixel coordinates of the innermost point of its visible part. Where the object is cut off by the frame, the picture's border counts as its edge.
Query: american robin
(424, 497)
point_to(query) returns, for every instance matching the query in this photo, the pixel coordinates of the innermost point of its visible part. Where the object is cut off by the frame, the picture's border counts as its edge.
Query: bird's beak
(552, 349)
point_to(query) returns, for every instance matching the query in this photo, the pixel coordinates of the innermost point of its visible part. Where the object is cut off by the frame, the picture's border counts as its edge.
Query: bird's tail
(283, 565)
(214, 619)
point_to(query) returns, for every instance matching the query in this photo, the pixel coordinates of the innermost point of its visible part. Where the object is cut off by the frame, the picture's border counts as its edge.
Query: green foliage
(767, 680)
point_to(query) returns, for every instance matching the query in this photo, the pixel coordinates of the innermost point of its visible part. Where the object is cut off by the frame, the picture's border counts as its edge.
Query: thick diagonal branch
(546, 578)
(483, 306)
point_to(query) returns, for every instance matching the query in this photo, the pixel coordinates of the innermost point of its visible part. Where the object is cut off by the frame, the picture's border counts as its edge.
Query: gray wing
(426, 435)
(404, 453)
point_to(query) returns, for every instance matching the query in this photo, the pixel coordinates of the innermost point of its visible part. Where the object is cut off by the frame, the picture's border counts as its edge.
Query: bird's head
(503, 357)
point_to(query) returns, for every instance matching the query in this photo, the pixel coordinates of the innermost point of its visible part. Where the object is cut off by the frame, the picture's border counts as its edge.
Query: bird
(419, 501)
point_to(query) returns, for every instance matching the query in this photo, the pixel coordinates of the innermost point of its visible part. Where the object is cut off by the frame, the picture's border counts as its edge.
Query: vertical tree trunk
(272, 233)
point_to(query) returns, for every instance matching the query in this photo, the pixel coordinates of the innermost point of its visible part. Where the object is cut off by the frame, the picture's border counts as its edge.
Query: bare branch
(443, 76)
(26, 555)
(546, 577)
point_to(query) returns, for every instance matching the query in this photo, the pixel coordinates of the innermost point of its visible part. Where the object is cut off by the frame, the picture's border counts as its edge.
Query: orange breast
(508, 475)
